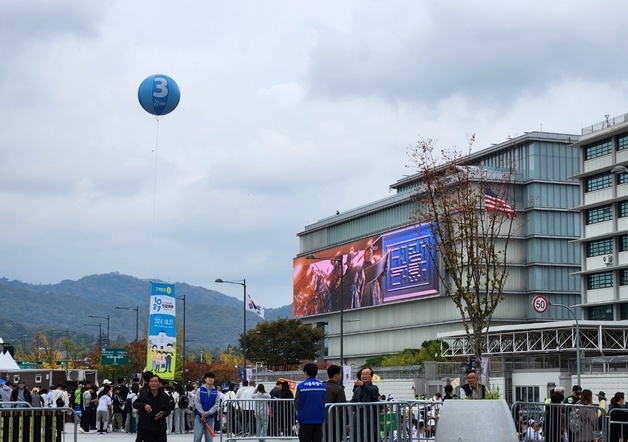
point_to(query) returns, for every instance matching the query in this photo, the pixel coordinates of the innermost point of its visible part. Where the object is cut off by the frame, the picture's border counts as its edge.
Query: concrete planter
(468, 420)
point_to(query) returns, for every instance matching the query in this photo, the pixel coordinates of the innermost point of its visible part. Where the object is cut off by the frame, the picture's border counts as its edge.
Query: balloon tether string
(152, 236)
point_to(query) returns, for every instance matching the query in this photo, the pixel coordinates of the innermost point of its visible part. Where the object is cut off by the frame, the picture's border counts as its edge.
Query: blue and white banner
(162, 330)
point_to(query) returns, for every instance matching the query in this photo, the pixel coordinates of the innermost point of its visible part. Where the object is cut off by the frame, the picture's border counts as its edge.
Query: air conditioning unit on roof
(75, 375)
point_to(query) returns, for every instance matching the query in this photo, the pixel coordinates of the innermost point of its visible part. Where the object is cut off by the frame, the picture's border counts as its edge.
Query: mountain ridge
(213, 319)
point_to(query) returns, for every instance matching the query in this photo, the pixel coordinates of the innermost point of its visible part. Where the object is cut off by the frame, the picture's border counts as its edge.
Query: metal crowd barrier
(536, 421)
(617, 419)
(24, 423)
(394, 421)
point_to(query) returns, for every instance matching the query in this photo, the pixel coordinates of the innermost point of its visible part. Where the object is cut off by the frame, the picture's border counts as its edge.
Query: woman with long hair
(261, 411)
(286, 410)
(588, 417)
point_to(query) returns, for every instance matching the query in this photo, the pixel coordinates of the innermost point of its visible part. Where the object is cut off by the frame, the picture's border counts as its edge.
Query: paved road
(124, 437)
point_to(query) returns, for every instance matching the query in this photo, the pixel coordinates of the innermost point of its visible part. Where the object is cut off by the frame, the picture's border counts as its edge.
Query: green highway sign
(114, 356)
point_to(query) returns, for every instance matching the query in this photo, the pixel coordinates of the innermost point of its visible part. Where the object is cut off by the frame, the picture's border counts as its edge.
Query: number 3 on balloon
(160, 86)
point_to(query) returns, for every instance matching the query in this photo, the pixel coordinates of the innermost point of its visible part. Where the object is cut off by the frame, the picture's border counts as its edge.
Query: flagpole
(243, 284)
(244, 335)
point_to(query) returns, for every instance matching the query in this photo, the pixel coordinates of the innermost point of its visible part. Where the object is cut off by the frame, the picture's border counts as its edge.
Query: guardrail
(536, 421)
(275, 419)
(21, 422)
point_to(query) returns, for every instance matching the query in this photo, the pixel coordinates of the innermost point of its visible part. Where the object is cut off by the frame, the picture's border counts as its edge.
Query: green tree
(282, 344)
(470, 243)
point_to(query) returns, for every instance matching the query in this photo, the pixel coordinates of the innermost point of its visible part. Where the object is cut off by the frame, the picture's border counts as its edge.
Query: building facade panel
(604, 219)
(541, 256)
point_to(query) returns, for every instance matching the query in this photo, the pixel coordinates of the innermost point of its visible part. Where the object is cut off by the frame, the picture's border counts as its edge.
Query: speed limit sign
(540, 304)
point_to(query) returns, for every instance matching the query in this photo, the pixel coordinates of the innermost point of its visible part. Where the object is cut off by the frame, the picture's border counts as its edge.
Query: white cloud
(288, 113)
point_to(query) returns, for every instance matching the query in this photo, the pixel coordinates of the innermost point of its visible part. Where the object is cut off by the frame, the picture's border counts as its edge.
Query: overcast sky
(289, 111)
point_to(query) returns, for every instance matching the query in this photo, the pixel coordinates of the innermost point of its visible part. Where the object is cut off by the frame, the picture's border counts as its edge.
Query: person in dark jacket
(286, 417)
(153, 405)
(21, 394)
(336, 395)
(619, 429)
(554, 426)
(366, 425)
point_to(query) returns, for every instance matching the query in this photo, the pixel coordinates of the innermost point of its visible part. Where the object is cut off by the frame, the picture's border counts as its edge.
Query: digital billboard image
(373, 271)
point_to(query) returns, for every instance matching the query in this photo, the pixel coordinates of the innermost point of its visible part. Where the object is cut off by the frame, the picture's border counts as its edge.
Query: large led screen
(373, 271)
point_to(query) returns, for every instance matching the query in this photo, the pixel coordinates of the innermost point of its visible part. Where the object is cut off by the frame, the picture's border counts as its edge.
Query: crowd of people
(154, 408)
(555, 422)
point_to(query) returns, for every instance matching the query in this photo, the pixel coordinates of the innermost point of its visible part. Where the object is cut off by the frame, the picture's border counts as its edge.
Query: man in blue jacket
(309, 402)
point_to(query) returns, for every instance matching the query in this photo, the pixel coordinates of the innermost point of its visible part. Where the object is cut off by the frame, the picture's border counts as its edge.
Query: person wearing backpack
(583, 418)
(576, 391)
(131, 413)
(181, 404)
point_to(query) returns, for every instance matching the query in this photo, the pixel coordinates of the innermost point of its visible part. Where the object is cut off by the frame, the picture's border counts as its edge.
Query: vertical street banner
(162, 330)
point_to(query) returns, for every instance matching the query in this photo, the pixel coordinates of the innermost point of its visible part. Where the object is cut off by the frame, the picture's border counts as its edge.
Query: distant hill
(213, 320)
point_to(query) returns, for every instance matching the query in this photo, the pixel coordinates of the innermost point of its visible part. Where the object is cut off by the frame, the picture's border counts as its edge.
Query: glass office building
(405, 305)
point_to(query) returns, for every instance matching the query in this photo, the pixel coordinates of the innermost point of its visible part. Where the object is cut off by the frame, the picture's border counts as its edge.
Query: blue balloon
(159, 94)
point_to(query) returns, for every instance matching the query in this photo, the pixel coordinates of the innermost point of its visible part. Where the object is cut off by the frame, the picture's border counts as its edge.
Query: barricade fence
(535, 421)
(20, 422)
(394, 421)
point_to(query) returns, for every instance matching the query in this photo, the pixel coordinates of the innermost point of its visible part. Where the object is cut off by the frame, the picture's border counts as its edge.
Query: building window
(623, 311)
(601, 313)
(600, 280)
(597, 182)
(600, 214)
(623, 243)
(527, 394)
(622, 178)
(623, 277)
(598, 149)
(623, 209)
(602, 247)
(622, 142)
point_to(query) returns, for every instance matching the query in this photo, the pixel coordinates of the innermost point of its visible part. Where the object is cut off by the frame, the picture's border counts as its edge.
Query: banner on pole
(162, 331)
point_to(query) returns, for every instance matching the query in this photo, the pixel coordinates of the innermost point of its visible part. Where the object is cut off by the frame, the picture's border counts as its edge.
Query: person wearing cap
(533, 433)
(601, 397)
(21, 394)
(576, 391)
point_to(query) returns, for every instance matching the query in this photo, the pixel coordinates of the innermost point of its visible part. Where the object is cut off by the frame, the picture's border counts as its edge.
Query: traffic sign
(114, 356)
(540, 304)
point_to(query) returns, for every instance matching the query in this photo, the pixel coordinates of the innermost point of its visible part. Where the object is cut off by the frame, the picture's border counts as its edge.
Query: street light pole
(243, 283)
(99, 325)
(182, 297)
(137, 319)
(107, 318)
(577, 337)
(342, 300)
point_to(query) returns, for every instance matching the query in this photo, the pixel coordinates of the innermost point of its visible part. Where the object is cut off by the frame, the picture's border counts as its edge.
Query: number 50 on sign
(540, 304)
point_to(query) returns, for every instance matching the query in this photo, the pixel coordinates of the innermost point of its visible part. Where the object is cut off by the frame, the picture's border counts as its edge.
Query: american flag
(495, 204)
(254, 307)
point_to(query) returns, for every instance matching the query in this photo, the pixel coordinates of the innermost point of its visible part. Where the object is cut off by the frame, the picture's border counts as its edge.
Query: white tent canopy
(6, 360)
